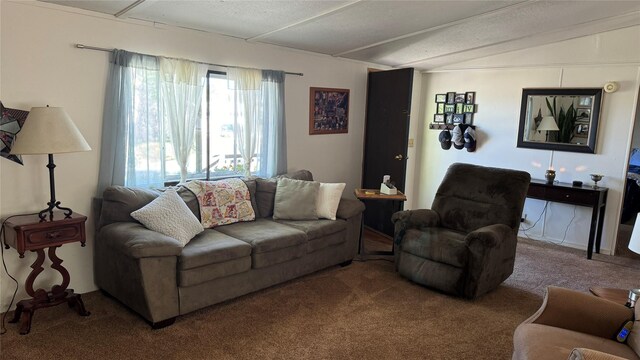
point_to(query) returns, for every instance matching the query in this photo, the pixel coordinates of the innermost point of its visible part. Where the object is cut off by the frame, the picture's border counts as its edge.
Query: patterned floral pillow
(222, 202)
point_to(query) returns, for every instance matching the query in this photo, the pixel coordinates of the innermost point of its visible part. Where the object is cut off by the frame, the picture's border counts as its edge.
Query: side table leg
(75, 301)
(17, 313)
(25, 328)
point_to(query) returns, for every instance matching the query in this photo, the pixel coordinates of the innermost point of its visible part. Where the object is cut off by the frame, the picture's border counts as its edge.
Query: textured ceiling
(420, 34)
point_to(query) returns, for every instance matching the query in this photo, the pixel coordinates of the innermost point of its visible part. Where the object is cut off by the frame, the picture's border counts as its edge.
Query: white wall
(40, 66)
(498, 81)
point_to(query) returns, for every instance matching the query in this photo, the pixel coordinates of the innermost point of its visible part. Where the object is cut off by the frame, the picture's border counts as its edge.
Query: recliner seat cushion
(437, 244)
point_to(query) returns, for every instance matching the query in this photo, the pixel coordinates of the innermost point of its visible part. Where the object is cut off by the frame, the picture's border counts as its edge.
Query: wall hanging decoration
(10, 124)
(328, 111)
(454, 108)
(562, 119)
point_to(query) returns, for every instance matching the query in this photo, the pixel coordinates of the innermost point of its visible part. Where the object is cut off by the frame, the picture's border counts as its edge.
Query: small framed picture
(459, 98)
(469, 108)
(449, 108)
(440, 98)
(459, 108)
(448, 118)
(451, 98)
(440, 108)
(470, 97)
(458, 118)
(468, 118)
(438, 118)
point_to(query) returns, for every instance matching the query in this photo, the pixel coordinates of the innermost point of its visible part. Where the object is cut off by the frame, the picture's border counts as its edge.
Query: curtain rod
(87, 47)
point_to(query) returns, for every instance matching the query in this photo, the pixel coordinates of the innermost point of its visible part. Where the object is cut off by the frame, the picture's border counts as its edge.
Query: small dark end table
(28, 232)
(375, 195)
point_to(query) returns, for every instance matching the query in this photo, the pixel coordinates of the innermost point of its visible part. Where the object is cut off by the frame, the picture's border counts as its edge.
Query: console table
(29, 233)
(586, 195)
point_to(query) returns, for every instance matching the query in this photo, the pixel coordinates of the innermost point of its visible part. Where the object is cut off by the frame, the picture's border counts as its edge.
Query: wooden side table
(375, 195)
(29, 233)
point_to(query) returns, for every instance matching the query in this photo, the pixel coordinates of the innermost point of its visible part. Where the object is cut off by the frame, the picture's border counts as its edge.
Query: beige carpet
(364, 310)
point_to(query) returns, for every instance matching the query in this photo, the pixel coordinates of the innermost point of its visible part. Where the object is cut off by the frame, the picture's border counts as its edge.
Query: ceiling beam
(434, 28)
(304, 21)
(135, 6)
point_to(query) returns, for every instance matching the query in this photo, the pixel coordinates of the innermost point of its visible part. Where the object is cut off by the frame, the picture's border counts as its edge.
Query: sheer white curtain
(132, 131)
(247, 84)
(182, 85)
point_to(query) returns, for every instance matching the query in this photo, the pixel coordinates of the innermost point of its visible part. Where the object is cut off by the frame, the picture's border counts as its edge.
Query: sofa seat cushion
(265, 235)
(201, 274)
(271, 242)
(436, 244)
(212, 247)
(542, 342)
(320, 233)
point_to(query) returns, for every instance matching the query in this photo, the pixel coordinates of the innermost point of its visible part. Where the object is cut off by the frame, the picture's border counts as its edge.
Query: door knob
(398, 157)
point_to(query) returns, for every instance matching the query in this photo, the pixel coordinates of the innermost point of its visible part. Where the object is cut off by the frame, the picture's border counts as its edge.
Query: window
(215, 153)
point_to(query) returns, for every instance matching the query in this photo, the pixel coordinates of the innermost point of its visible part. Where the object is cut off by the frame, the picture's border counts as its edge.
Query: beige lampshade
(634, 243)
(48, 130)
(548, 123)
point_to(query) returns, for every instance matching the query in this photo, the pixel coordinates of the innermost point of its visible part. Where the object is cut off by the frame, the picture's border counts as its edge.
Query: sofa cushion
(118, 202)
(296, 200)
(328, 200)
(542, 342)
(169, 215)
(320, 233)
(265, 235)
(211, 247)
(436, 244)
(265, 195)
(265, 259)
(195, 276)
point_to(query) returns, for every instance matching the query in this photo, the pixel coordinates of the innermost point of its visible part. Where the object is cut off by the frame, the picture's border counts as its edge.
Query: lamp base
(53, 203)
(43, 214)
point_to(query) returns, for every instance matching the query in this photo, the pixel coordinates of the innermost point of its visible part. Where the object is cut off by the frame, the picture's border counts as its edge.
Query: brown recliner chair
(466, 243)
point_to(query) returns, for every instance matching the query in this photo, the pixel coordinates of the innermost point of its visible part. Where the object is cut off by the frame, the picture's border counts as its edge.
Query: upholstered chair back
(472, 196)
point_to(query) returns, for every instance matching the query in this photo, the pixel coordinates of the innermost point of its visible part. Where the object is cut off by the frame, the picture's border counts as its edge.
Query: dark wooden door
(386, 138)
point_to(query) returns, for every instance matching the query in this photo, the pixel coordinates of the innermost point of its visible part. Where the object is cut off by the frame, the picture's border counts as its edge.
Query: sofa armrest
(489, 236)
(135, 240)
(581, 312)
(413, 219)
(348, 208)
(589, 354)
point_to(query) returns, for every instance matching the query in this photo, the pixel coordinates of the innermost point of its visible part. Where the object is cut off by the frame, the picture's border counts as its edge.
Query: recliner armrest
(135, 240)
(413, 219)
(348, 208)
(581, 312)
(490, 236)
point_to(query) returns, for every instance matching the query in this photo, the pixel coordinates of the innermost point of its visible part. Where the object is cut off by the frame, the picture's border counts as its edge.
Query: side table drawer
(58, 235)
(563, 195)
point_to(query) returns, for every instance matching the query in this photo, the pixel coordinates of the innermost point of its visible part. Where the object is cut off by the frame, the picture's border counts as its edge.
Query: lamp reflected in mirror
(547, 124)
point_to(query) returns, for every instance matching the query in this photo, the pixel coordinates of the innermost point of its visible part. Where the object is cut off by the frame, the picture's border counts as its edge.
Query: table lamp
(49, 130)
(634, 245)
(547, 124)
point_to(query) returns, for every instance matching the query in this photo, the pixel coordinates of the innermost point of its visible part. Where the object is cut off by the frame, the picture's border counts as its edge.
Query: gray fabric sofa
(157, 278)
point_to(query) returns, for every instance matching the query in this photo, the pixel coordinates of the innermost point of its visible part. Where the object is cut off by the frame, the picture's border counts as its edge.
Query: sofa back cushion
(473, 196)
(118, 202)
(266, 191)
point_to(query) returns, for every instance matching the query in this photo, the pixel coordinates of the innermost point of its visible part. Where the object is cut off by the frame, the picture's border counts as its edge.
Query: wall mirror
(562, 119)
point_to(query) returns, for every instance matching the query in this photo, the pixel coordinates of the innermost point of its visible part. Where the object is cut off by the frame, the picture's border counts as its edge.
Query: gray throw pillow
(296, 200)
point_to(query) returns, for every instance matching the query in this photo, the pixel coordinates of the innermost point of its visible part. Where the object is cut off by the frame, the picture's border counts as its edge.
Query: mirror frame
(590, 146)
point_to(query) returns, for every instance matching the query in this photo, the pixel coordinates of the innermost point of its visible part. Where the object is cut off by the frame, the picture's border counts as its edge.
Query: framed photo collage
(455, 108)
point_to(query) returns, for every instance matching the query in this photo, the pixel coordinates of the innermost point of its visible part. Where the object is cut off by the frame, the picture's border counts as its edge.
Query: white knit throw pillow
(169, 215)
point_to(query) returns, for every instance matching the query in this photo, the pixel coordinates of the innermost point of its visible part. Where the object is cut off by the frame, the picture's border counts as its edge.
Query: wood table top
(374, 194)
